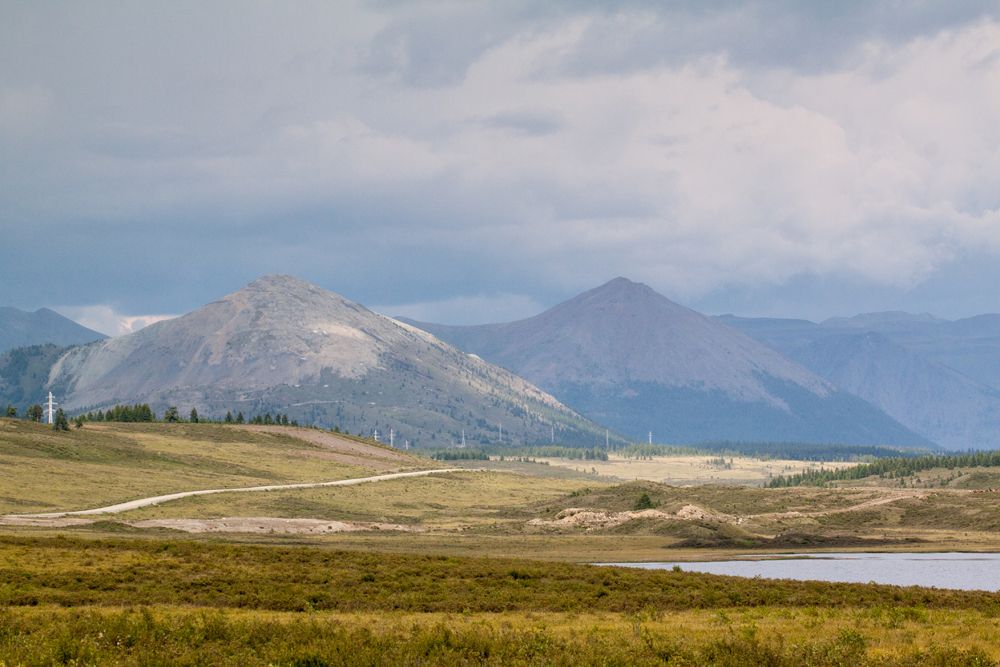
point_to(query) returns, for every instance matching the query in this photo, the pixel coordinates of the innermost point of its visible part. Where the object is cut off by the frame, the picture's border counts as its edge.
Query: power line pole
(50, 409)
(392, 438)
(650, 437)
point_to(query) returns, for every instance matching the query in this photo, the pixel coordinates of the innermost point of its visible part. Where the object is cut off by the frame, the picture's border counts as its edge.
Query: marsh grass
(175, 636)
(77, 572)
(174, 602)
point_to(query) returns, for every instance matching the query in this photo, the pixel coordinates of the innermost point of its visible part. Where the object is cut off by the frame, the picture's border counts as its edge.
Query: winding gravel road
(156, 500)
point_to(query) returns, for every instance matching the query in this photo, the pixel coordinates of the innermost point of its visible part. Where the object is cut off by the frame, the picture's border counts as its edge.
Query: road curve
(156, 500)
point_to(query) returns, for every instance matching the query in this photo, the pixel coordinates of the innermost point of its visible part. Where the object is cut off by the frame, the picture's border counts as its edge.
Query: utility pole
(606, 438)
(650, 437)
(392, 438)
(553, 434)
(50, 409)
(463, 438)
(500, 424)
(376, 435)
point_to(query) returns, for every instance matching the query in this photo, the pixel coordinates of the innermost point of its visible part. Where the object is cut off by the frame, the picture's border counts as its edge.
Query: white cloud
(524, 146)
(107, 320)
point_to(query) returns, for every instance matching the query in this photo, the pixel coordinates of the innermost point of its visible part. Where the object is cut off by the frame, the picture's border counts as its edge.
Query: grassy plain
(693, 470)
(448, 501)
(45, 470)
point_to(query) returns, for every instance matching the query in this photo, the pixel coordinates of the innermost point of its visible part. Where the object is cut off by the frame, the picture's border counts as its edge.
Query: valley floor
(392, 571)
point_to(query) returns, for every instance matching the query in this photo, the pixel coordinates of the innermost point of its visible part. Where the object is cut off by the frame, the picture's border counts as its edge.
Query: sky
(471, 162)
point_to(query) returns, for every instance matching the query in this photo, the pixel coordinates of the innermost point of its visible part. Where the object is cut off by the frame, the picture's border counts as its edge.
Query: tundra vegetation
(134, 601)
(476, 570)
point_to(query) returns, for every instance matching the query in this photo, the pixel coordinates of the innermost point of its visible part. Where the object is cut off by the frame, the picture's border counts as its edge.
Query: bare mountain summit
(281, 344)
(624, 355)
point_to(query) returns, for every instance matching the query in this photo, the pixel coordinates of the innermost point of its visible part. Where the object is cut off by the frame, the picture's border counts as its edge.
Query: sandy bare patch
(695, 513)
(270, 525)
(593, 519)
(695, 470)
(44, 522)
(580, 517)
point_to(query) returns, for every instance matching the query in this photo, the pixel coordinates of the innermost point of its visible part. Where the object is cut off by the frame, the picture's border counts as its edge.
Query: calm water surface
(941, 570)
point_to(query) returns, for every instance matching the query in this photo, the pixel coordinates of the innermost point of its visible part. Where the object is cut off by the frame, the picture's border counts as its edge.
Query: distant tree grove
(140, 412)
(891, 468)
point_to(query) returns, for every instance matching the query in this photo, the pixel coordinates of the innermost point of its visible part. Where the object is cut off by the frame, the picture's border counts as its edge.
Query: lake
(965, 571)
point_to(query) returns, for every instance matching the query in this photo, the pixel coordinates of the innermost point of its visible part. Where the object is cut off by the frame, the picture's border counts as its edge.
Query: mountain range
(620, 356)
(940, 378)
(281, 344)
(630, 358)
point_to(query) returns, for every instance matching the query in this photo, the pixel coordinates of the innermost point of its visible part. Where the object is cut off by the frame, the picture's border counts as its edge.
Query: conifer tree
(60, 423)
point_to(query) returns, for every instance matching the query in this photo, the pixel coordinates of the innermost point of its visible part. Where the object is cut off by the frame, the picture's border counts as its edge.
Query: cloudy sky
(472, 162)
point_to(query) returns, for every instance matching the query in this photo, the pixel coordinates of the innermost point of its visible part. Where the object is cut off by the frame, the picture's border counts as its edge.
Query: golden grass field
(514, 508)
(449, 501)
(849, 636)
(44, 470)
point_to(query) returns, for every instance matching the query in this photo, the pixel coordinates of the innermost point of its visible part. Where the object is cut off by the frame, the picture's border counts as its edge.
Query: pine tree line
(890, 468)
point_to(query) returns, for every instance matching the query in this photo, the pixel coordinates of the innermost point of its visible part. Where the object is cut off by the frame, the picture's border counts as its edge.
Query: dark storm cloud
(801, 36)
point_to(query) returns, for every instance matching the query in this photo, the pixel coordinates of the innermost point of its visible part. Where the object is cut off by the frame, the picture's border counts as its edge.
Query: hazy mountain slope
(19, 328)
(948, 407)
(777, 333)
(937, 377)
(970, 346)
(283, 344)
(24, 374)
(626, 356)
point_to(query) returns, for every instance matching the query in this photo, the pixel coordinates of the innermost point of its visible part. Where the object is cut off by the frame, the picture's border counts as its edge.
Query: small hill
(627, 356)
(19, 328)
(115, 462)
(281, 344)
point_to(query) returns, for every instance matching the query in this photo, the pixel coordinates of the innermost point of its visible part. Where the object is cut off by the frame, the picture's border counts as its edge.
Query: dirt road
(156, 500)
